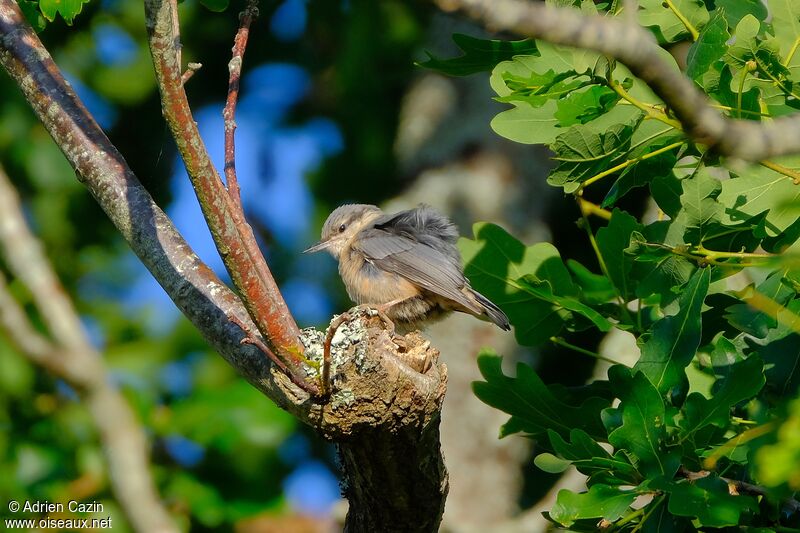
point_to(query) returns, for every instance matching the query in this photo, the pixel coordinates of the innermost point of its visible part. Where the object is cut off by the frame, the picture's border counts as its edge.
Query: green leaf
(761, 190)
(68, 9)
(580, 446)
(660, 520)
(643, 172)
(601, 501)
(582, 152)
(544, 291)
(744, 380)
(527, 124)
(665, 24)
(32, 14)
(776, 464)
(735, 10)
(592, 459)
(707, 499)
(537, 89)
(751, 317)
(666, 191)
(643, 422)
(721, 90)
(551, 464)
(746, 43)
(479, 55)
(783, 358)
(659, 271)
(699, 207)
(582, 106)
(675, 339)
(597, 289)
(781, 352)
(612, 241)
(533, 85)
(698, 198)
(531, 284)
(757, 63)
(786, 27)
(532, 406)
(709, 47)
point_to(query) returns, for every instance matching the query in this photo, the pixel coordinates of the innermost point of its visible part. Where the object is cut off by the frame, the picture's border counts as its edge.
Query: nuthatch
(405, 265)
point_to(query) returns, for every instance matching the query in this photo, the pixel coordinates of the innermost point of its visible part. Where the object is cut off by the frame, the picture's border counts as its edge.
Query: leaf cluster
(701, 430)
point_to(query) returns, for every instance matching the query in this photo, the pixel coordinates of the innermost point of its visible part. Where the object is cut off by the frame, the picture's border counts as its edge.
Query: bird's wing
(419, 263)
(425, 225)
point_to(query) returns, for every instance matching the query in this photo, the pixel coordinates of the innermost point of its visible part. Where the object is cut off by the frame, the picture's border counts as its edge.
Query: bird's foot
(380, 312)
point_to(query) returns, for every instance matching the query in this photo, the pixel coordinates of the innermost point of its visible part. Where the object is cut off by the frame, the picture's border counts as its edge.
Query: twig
(559, 341)
(636, 48)
(232, 235)
(687, 24)
(620, 292)
(780, 169)
(191, 68)
(229, 113)
(73, 358)
(791, 504)
(627, 163)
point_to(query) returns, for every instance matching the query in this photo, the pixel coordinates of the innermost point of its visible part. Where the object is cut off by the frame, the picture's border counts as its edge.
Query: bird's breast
(368, 284)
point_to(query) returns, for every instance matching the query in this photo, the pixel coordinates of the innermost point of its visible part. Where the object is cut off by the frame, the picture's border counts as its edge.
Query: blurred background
(332, 110)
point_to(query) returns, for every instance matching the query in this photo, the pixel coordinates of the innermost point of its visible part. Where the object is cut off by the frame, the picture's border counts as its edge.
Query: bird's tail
(494, 313)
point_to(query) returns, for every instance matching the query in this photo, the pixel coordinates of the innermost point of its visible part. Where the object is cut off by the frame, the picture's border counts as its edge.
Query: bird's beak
(317, 247)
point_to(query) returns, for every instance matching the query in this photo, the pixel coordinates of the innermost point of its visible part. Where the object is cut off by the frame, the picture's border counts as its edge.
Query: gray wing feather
(419, 263)
(425, 225)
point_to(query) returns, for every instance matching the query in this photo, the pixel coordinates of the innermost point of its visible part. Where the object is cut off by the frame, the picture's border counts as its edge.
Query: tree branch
(636, 48)
(229, 113)
(232, 235)
(75, 360)
(383, 413)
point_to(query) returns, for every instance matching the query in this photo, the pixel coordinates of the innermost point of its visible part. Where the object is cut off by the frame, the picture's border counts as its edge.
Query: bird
(405, 265)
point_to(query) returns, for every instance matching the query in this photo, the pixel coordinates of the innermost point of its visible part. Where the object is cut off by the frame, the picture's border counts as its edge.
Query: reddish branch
(229, 114)
(232, 235)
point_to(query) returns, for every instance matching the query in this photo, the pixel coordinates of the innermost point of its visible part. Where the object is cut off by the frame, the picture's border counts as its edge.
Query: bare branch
(229, 114)
(232, 235)
(16, 325)
(635, 47)
(75, 360)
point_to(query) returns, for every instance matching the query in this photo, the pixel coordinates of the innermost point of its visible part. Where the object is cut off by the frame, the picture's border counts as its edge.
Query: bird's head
(342, 225)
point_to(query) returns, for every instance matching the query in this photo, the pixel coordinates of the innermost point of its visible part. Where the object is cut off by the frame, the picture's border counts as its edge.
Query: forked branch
(232, 235)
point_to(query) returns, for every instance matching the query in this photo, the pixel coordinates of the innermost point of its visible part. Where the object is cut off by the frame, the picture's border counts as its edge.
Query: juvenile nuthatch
(406, 265)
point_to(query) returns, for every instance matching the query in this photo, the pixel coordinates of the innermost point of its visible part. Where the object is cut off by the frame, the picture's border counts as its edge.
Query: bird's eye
(342, 228)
